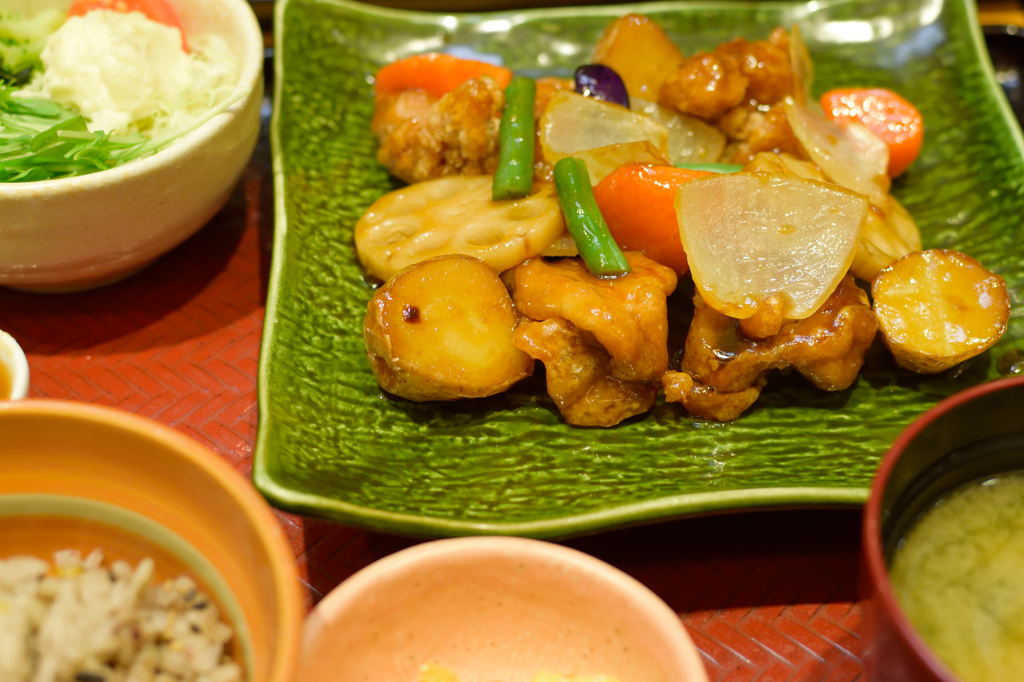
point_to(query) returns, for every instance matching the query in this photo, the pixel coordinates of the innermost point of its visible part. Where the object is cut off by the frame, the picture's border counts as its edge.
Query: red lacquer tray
(768, 596)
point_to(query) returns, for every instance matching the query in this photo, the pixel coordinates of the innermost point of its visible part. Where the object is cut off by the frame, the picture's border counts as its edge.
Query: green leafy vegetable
(14, 78)
(21, 41)
(41, 140)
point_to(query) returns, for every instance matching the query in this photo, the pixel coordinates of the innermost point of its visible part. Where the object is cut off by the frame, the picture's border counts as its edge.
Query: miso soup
(959, 577)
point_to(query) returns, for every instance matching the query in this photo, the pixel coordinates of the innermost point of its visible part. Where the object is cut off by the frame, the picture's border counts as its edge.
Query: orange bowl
(80, 476)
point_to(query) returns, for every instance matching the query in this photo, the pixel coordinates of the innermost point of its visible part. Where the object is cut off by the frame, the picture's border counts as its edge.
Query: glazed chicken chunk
(422, 138)
(603, 342)
(723, 370)
(740, 87)
(579, 374)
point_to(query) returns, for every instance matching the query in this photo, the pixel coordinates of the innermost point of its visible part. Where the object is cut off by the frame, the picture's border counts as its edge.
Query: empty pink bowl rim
(684, 655)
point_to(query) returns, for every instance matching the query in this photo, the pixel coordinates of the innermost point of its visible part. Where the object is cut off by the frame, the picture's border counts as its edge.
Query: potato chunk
(938, 308)
(442, 330)
(640, 52)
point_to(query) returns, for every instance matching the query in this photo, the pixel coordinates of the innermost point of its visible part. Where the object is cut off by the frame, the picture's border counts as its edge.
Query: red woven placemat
(766, 597)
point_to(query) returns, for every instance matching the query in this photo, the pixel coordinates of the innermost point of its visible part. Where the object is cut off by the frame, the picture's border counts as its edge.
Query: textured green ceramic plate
(331, 444)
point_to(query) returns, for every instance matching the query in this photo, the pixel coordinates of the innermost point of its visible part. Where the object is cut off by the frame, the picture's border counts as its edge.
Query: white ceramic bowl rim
(684, 653)
(13, 358)
(250, 73)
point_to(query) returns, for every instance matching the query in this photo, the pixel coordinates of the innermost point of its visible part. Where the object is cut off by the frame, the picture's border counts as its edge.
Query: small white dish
(13, 369)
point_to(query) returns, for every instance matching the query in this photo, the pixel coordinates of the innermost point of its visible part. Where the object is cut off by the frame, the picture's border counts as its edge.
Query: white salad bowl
(86, 231)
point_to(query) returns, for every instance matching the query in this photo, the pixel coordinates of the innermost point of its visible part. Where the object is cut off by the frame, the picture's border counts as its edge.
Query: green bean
(712, 167)
(597, 247)
(514, 176)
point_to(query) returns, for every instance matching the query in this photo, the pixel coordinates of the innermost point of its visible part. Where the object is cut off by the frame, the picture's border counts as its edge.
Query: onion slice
(850, 154)
(603, 160)
(689, 138)
(749, 236)
(800, 61)
(572, 123)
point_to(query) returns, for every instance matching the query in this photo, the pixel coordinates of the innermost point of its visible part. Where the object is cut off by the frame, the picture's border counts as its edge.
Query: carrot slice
(436, 73)
(885, 113)
(638, 204)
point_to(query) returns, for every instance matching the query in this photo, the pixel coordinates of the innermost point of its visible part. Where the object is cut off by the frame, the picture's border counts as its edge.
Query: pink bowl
(495, 608)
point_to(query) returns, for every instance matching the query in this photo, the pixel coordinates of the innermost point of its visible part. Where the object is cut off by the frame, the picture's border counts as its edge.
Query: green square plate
(330, 444)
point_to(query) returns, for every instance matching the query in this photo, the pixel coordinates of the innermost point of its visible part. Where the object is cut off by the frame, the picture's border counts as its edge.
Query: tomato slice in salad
(157, 10)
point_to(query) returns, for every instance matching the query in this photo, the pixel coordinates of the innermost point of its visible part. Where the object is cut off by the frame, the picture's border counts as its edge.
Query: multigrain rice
(78, 620)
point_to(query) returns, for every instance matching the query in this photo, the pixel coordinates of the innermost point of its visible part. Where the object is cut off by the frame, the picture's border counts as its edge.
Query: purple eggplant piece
(601, 82)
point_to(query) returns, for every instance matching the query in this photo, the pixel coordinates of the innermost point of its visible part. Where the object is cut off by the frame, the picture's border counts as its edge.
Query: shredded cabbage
(128, 74)
(22, 38)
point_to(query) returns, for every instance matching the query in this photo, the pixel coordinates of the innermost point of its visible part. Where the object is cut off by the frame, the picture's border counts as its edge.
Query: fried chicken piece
(393, 110)
(603, 341)
(422, 139)
(703, 401)
(754, 128)
(579, 374)
(784, 164)
(827, 348)
(765, 64)
(705, 85)
(739, 86)
(708, 84)
(627, 315)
